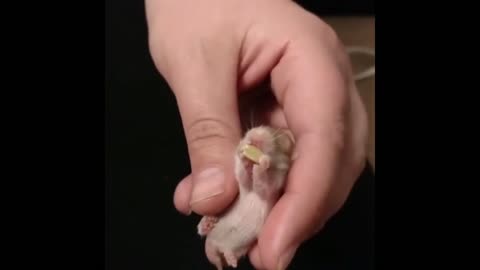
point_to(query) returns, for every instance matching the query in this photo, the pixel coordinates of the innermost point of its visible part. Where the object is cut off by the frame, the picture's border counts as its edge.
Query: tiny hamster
(230, 235)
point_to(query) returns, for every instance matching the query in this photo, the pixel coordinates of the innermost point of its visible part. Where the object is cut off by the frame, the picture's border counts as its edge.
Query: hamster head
(270, 141)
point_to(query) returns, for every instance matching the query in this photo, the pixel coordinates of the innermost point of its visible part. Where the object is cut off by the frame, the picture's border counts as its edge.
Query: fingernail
(208, 184)
(286, 258)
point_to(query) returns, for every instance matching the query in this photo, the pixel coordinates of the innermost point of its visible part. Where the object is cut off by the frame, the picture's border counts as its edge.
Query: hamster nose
(257, 142)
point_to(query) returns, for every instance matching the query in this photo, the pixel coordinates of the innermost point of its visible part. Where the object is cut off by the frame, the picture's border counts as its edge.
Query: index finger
(312, 89)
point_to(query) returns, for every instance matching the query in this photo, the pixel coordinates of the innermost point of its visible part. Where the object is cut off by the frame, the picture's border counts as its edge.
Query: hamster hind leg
(206, 224)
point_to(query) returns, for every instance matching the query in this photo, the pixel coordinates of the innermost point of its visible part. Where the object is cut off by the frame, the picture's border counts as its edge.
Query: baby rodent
(230, 235)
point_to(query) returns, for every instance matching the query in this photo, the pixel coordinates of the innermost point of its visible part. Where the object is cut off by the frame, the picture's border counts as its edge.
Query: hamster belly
(239, 227)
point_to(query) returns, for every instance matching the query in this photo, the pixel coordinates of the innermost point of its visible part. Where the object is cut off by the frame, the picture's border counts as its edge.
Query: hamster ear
(285, 143)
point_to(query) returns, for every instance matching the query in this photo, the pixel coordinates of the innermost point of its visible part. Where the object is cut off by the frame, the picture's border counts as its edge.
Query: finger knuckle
(205, 132)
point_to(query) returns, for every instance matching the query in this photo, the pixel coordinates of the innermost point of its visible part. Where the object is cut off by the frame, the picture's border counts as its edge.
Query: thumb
(207, 100)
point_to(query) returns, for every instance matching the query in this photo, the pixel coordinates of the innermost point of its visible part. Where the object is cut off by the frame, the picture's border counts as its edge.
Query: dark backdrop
(143, 127)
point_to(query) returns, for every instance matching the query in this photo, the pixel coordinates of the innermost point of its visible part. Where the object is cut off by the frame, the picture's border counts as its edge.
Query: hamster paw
(206, 225)
(231, 259)
(264, 162)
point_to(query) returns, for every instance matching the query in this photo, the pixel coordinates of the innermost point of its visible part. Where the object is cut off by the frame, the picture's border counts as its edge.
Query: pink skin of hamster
(231, 235)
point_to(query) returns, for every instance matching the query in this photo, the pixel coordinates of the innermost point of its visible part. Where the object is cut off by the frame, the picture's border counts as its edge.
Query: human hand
(209, 51)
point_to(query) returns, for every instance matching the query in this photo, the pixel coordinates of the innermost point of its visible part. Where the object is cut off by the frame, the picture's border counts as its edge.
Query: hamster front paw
(264, 162)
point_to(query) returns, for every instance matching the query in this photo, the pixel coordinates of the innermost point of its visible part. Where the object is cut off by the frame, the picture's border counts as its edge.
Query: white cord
(368, 72)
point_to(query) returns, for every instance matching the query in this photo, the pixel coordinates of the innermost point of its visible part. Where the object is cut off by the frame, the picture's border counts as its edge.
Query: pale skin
(209, 51)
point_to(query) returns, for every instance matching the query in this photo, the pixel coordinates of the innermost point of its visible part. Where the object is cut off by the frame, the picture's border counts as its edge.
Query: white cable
(368, 72)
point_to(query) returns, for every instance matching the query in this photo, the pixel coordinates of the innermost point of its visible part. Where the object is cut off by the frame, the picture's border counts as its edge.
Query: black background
(143, 127)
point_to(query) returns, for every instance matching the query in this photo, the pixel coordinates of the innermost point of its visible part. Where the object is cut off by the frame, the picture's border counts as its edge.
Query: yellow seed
(252, 153)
